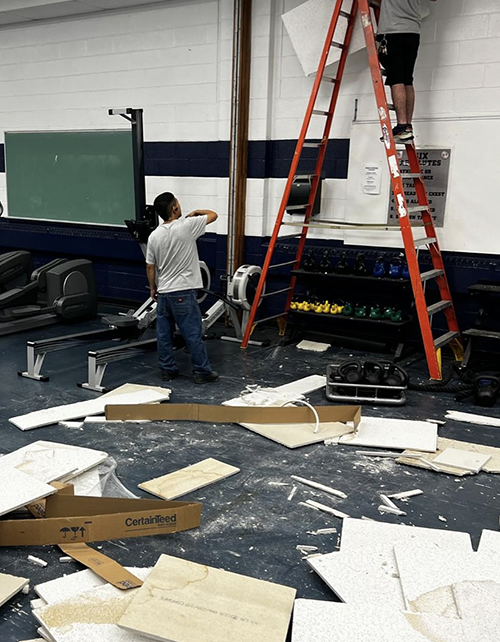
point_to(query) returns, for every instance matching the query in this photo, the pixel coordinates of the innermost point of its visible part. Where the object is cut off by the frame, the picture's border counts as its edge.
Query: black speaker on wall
(299, 195)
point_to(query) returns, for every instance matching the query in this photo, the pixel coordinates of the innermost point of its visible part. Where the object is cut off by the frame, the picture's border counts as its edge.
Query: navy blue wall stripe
(266, 159)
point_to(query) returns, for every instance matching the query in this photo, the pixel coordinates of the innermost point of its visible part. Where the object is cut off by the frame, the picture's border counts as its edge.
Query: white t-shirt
(172, 248)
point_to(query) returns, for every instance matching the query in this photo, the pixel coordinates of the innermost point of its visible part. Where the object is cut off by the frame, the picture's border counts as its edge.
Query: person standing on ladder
(174, 276)
(399, 40)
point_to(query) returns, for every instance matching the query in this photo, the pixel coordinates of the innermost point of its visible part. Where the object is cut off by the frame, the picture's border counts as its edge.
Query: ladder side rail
(293, 171)
(434, 249)
(398, 190)
(322, 151)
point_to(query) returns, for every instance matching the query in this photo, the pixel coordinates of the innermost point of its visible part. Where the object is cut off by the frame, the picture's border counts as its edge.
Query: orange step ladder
(425, 312)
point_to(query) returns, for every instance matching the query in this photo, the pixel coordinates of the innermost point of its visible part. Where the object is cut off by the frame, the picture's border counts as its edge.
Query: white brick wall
(174, 60)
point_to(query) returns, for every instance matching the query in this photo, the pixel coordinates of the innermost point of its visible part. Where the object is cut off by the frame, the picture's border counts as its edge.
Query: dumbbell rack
(363, 392)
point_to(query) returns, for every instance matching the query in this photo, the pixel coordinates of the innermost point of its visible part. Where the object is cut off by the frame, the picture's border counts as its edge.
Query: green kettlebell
(348, 310)
(396, 316)
(360, 311)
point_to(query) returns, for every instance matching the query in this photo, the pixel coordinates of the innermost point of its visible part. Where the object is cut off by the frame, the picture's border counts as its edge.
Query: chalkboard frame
(98, 166)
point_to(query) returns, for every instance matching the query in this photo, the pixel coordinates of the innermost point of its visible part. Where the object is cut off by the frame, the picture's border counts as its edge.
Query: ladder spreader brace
(429, 240)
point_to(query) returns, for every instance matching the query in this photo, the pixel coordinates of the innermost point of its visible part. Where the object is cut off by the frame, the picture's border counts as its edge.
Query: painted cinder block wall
(174, 61)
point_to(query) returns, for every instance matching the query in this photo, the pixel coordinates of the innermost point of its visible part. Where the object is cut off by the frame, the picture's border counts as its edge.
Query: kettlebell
(360, 268)
(342, 266)
(405, 272)
(376, 312)
(309, 264)
(395, 267)
(325, 266)
(348, 310)
(379, 267)
(360, 311)
(396, 316)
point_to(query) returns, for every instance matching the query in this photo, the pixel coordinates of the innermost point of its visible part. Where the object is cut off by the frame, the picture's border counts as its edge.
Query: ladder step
(427, 240)
(268, 294)
(319, 112)
(390, 107)
(431, 274)
(345, 14)
(313, 144)
(445, 339)
(418, 208)
(277, 265)
(437, 307)
(338, 45)
(328, 79)
(286, 237)
(410, 175)
(274, 316)
(296, 207)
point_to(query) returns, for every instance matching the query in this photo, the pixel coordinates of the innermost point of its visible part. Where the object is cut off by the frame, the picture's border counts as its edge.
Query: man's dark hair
(164, 204)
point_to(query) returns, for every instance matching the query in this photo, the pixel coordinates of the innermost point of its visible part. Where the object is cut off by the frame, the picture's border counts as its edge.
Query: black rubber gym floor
(248, 525)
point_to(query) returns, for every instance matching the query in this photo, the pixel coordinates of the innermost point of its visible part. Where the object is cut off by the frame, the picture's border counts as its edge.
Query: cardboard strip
(102, 565)
(233, 414)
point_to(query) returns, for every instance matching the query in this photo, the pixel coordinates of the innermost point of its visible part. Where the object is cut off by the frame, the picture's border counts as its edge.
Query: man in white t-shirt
(399, 40)
(174, 276)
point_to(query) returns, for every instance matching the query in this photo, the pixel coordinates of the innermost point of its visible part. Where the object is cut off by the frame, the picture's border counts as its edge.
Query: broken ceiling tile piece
(50, 461)
(468, 417)
(399, 434)
(405, 494)
(389, 509)
(91, 616)
(427, 574)
(489, 542)
(184, 481)
(313, 346)
(353, 577)
(326, 489)
(380, 537)
(297, 435)
(68, 586)
(377, 539)
(182, 601)
(491, 466)
(281, 393)
(318, 621)
(310, 503)
(10, 585)
(19, 489)
(71, 411)
(307, 27)
(457, 458)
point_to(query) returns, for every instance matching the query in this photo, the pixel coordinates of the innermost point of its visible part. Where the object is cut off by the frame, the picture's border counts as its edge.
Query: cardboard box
(233, 414)
(73, 519)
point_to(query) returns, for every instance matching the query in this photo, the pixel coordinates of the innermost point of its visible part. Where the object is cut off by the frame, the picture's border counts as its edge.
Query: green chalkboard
(78, 176)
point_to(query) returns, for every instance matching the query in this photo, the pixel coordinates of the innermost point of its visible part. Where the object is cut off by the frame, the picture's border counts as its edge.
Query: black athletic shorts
(399, 61)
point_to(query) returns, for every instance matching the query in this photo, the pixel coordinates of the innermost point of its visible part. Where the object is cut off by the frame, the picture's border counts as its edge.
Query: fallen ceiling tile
(183, 481)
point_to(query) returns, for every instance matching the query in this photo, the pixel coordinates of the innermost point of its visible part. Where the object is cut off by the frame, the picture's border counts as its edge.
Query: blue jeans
(181, 309)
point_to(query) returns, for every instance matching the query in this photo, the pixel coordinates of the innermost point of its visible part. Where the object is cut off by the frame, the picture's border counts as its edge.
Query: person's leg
(410, 59)
(410, 103)
(165, 326)
(400, 100)
(187, 315)
(393, 61)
